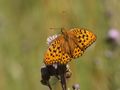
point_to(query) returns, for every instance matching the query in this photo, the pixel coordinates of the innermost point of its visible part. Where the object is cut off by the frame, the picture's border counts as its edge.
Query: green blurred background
(25, 26)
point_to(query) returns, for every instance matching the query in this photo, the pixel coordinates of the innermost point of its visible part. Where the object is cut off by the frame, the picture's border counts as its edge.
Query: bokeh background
(25, 26)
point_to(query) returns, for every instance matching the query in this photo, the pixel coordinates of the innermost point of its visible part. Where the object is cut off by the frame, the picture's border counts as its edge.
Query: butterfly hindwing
(77, 52)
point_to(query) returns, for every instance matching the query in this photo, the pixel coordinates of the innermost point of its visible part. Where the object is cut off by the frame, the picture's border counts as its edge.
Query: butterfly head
(64, 33)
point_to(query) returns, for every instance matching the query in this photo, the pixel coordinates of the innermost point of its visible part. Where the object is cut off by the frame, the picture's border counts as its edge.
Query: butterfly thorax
(68, 44)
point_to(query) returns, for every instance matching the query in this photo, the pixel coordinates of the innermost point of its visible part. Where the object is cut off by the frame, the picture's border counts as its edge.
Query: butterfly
(68, 45)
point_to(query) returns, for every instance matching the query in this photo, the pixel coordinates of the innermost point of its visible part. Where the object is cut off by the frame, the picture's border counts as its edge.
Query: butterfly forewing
(82, 38)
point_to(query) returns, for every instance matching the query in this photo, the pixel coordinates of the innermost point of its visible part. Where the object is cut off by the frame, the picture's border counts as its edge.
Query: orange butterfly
(68, 45)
